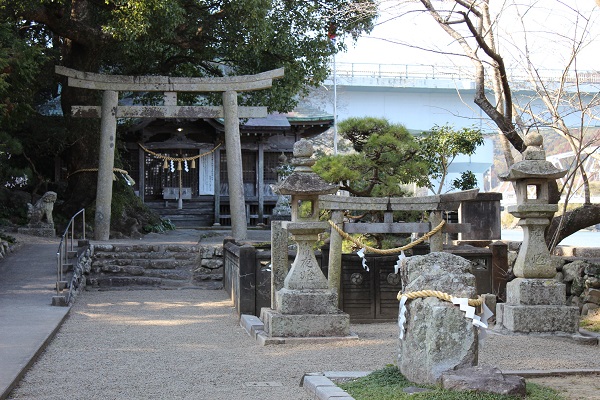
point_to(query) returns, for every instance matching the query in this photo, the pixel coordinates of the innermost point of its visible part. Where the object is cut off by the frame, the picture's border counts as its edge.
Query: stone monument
(40, 217)
(305, 307)
(535, 301)
(436, 336)
(439, 330)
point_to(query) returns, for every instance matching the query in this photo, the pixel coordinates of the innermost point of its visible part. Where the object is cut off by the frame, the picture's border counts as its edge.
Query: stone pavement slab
(28, 321)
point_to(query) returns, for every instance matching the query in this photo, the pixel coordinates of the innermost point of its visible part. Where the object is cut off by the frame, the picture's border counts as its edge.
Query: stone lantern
(535, 302)
(305, 306)
(532, 178)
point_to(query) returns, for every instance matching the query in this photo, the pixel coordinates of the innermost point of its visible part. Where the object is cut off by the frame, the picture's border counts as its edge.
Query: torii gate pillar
(237, 203)
(106, 162)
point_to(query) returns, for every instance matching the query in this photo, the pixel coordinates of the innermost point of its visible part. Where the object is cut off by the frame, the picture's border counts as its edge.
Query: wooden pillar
(261, 182)
(106, 162)
(142, 172)
(237, 201)
(217, 191)
(334, 275)
(436, 242)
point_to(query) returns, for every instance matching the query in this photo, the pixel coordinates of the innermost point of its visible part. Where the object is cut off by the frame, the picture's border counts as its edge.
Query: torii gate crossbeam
(110, 111)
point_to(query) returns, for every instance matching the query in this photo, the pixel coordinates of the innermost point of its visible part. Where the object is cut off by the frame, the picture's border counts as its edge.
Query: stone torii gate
(110, 110)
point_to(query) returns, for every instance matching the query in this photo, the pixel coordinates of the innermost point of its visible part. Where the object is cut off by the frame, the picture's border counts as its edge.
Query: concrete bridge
(421, 96)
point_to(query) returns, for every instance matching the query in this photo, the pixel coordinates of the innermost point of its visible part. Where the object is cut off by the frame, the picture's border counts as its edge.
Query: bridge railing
(424, 71)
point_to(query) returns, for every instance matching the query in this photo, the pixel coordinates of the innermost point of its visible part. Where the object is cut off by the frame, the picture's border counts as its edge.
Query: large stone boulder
(438, 337)
(484, 379)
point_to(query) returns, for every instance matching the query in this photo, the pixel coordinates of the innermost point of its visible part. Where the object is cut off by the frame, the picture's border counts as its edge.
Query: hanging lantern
(193, 166)
(166, 164)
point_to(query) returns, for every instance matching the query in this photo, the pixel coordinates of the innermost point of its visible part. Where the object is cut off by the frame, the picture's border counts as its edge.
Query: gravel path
(187, 344)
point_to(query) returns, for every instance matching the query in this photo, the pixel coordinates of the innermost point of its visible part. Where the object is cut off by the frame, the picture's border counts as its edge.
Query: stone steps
(156, 266)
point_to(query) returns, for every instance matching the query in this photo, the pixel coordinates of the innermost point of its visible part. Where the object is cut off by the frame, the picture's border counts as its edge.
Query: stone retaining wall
(80, 271)
(156, 265)
(579, 269)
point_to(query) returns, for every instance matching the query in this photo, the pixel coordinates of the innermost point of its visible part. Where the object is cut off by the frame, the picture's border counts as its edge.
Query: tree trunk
(580, 218)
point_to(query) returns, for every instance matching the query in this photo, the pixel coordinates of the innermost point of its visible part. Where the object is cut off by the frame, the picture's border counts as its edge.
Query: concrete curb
(321, 385)
(17, 378)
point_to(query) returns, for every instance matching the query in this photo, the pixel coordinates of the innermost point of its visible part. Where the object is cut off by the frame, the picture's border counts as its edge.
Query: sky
(549, 24)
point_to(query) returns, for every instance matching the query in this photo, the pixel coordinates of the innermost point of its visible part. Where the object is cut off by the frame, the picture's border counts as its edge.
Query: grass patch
(591, 322)
(387, 384)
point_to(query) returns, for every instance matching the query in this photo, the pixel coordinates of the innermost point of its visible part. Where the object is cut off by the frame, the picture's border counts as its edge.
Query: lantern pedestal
(535, 302)
(305, 308)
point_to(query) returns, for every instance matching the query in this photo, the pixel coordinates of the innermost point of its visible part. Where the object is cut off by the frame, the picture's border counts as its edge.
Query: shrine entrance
(110, 110)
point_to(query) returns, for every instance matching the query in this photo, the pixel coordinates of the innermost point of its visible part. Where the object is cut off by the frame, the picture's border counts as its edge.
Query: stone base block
(42, 232)
(305, 325)
(306, 301)
(484, 380)
(529, 292)
(545, 318)
(60, 301)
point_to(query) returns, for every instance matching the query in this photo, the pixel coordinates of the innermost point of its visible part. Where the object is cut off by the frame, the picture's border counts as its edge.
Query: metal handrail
(61, 253)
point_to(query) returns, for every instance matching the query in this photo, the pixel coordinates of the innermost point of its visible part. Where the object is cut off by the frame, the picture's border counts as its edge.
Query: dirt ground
(574, 387)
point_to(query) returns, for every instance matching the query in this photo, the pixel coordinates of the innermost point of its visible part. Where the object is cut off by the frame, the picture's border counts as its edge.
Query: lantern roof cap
(303, 181)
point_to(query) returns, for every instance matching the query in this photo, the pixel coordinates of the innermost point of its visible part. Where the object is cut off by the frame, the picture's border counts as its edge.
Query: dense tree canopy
(193, 37)
(155, 37)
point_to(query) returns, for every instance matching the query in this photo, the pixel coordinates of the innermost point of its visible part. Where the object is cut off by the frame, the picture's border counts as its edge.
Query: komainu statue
(42, 208)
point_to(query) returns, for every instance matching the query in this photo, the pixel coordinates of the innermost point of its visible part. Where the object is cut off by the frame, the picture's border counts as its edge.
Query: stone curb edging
(321, 385)
(35, 355)
(255, 328)
(539, 373)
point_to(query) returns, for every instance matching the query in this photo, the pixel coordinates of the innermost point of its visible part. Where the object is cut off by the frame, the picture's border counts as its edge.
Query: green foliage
(162, 226)
(387, 159)
(199, 38)
(202, 38)
(13, 210)
(466, 181)
(441, 145)
(7, 238)
(19, 66)
(387, 384)
(591, 322)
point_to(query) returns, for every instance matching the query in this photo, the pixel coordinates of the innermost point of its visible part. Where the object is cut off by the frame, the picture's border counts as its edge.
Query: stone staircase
(166, 266)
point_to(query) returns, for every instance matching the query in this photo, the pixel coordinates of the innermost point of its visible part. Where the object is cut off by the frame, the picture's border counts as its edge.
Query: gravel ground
(187, 344)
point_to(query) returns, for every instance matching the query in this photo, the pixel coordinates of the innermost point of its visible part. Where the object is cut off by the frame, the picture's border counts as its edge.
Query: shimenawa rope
(438, 294)
(387, 251)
